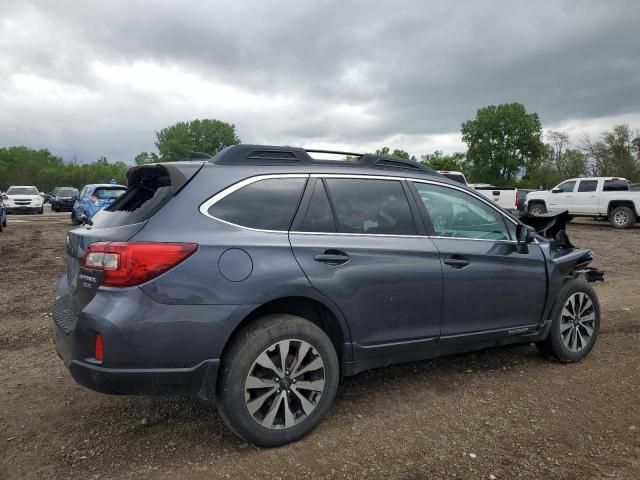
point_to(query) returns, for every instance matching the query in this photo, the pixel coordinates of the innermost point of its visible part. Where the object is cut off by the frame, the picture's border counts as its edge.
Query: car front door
(585, 198)
(490, 285)
(562, 197)
(358, 243)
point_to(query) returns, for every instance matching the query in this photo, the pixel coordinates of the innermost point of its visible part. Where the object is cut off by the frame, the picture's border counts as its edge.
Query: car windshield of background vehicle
(587, 185)
(456, 214)
(22, 191)
(378, 207)
(108, 193)
(67, 192)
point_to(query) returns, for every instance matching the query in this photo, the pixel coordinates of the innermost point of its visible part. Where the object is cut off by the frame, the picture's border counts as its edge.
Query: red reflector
(127, 264)
(99, 354)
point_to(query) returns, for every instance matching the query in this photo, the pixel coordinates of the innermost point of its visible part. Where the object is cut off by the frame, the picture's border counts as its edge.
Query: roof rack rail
(198, 156)
(279, 155)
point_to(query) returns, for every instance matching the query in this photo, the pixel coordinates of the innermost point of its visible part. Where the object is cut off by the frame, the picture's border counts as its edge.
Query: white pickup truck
(599, 197)
(507, 198)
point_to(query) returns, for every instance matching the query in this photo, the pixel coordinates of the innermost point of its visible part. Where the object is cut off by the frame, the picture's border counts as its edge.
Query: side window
(587, 185)
(83, 193)
(457, 214)
(566, 187)
(615, 186)
(319, 217)
(266, 204)
(371, 206)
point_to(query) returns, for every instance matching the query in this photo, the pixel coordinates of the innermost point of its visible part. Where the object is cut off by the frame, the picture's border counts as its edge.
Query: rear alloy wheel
(622, 217)
(537, 209)
(277, 380)
(576, 323)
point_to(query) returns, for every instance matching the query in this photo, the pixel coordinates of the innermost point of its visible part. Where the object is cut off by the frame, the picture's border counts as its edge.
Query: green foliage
(207, 136)
(143, 158)
(616, 153)
(396, 153)
(25, 166)
(503, 141)
(439, 161)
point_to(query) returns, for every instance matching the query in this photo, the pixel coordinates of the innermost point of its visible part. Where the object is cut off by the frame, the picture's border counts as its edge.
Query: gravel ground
(504, 413)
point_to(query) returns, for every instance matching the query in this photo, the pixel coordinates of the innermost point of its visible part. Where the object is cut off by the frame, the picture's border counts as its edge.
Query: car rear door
(358, 243)
(489, 284)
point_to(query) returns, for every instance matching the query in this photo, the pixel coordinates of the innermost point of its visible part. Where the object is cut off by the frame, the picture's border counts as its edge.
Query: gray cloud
(100, 78)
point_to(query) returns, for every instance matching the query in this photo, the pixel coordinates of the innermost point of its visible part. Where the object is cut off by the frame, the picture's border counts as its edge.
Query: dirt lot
(503, 412)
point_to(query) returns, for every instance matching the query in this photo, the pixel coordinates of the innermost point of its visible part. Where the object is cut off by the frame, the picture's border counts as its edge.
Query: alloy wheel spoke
(587, 329)
(564, 326)
(284, 351)
(255, 382)
(307, 406)
(289, 419)
(315, 385)
(302, 353)
(591, 317)
(266, 362)
(270, 416)
(585, 306)
(255, 404)
(314, 364)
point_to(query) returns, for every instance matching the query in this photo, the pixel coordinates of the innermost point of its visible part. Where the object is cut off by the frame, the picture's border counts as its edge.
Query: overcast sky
(99, 78)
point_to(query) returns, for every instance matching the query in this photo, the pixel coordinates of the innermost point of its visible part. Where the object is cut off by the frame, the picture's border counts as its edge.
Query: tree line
(505, 147)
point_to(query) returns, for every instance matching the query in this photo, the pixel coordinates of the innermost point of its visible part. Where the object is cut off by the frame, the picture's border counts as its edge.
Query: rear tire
(268, 406)
(622, 217)
(537, 208)
(575, 323)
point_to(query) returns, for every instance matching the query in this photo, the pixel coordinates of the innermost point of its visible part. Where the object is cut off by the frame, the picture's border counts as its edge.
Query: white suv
(22, 198)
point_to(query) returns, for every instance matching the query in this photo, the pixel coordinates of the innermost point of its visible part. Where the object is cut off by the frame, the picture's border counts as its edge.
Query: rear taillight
(127, 264)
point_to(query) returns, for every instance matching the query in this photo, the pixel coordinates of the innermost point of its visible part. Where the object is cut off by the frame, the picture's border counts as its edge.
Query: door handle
(332, 257)
(456, 261)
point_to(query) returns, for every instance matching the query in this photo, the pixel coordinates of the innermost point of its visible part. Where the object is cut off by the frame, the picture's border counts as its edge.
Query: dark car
(3, 213)
(521, 197)
(260, 276)
(63, 198)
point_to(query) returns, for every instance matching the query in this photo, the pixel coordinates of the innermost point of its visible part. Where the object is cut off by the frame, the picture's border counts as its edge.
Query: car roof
(23, 186)
(283, 159)
(96, 185)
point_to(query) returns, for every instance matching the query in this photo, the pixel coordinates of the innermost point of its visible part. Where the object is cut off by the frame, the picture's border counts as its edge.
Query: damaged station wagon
(260, 276)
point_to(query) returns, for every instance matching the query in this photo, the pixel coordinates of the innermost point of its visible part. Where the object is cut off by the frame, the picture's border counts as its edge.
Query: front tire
(576, 323)
(277, 380)
(622, 217)
(537, 209)
(41, 211)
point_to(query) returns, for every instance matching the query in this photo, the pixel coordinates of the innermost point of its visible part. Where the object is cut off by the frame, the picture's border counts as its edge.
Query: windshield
(67, 192)
(107, 193)
(22, 191)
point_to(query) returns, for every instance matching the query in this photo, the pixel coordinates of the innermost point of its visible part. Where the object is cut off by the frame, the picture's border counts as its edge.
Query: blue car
(93, 198)
(3, 213)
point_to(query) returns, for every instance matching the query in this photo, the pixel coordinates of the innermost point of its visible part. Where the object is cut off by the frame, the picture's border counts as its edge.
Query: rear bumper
(149, 348)
(198, 381)
(21, 208)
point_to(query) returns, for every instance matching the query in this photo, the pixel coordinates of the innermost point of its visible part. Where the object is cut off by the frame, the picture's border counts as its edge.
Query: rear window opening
(149, 190)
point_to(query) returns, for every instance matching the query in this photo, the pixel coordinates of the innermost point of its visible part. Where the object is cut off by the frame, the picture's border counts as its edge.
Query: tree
(504, 141)
(207, 136)
(398, 153)
(617, 152)
(144, 157)
(439, 161)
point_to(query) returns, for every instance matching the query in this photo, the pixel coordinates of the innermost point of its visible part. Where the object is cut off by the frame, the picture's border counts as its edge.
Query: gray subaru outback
(261, 275)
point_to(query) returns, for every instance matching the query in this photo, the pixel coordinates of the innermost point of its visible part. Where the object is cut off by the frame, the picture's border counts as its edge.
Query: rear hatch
(151, 187)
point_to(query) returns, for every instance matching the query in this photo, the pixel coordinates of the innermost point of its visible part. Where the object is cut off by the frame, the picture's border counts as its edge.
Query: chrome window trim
(207, 204)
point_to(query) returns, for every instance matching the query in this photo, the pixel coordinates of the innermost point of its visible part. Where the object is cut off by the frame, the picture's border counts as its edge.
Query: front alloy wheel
(577, 322)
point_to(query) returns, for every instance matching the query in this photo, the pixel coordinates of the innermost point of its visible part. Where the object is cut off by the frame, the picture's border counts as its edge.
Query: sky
(88, 78)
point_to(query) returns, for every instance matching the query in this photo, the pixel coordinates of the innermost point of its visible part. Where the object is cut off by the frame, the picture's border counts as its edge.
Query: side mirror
(556, 190)
(525, 234)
